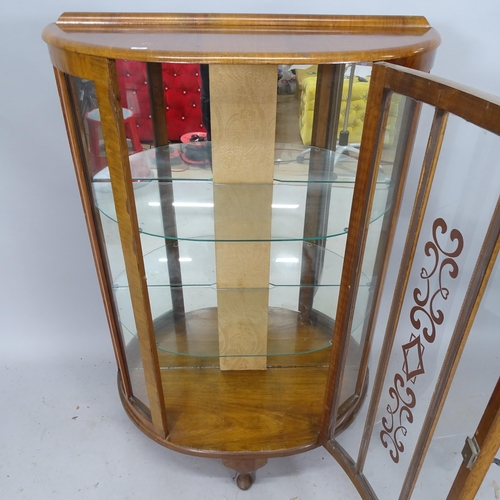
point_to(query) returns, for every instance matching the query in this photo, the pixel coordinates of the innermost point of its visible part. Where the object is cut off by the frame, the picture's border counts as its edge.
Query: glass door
(433, 352)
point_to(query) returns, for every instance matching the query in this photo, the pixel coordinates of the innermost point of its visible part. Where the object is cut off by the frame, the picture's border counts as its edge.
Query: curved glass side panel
(95, 161)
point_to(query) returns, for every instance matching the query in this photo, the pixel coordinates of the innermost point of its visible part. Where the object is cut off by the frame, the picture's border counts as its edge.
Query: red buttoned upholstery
(182, 83)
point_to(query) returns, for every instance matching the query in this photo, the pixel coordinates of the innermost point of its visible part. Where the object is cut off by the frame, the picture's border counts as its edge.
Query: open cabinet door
(433, 353)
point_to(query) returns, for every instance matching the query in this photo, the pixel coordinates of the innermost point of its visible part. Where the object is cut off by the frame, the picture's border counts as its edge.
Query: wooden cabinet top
(242, 38)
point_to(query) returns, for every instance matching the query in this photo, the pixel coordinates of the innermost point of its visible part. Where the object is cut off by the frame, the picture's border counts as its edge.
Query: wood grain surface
(243, 101)
(244, 410)
(243, 38)
(243, 116)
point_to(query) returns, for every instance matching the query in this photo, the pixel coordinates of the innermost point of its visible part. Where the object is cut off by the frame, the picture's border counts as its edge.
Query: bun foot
(245, 467)
(244, 481)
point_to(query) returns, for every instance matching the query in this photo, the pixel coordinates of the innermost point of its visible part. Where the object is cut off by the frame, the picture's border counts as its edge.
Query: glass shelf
(288, 334)
(197, 264)
(196, 332)
(192, 196)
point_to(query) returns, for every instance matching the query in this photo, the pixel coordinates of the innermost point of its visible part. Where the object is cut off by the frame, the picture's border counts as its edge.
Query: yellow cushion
(356, 111)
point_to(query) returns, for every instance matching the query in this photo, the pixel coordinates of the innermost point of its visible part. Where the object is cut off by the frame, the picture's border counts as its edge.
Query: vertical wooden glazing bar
(472, 301)
(75, 131)
(364, 188)
(324, 135)
(468, 482)
(108, 96)
(165, 187)
(419, 207)
(243, 123)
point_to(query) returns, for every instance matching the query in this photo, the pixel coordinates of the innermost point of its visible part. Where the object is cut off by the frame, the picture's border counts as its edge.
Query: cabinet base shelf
(248, 411)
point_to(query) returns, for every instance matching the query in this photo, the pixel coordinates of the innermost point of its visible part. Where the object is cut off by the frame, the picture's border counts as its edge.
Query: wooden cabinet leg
(244, 481)
(244, 467)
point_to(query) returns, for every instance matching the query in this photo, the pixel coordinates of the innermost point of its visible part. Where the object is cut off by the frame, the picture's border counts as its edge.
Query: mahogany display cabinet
(242, 275)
